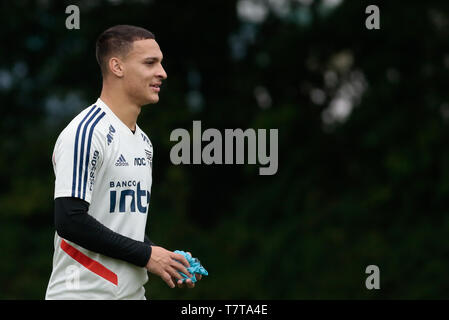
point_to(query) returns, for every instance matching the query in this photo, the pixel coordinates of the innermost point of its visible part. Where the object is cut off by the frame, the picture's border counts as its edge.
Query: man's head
(132, 56)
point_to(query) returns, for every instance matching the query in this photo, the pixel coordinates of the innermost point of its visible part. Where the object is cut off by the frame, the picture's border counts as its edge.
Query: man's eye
(150, 62)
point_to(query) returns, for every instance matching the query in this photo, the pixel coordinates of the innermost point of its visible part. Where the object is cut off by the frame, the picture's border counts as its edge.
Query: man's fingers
(190, 284)
(181, 268)
(167, 278)
(174, 273)
(169, 267)
(181, 259)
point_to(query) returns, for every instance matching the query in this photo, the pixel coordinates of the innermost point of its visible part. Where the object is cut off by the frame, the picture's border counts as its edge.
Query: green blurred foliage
(370, 187)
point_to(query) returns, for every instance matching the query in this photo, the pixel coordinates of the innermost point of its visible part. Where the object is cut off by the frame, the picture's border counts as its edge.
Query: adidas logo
(121, 161)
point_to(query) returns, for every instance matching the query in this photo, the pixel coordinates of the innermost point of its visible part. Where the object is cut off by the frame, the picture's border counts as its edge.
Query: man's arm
(73, 223)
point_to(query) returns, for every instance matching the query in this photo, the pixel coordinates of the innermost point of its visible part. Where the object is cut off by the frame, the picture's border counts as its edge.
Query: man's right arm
(74, 223)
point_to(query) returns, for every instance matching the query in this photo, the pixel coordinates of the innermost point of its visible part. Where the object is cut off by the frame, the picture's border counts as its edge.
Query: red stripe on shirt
(89, 263)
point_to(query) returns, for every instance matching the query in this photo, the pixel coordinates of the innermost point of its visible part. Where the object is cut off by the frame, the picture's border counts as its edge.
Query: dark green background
(372, 188)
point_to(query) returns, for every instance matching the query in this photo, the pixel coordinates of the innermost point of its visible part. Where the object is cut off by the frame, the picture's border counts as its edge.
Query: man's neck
(126, 111)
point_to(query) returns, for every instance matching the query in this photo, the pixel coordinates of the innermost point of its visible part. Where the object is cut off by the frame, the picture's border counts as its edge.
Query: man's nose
(161, 73)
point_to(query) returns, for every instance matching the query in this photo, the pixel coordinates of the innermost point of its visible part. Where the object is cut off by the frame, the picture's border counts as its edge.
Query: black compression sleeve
(73, 223)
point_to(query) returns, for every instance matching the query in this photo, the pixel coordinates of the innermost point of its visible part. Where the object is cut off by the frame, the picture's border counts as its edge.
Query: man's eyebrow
(153, 59)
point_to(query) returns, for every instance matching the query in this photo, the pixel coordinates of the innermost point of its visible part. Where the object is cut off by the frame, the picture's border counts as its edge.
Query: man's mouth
(156, 87)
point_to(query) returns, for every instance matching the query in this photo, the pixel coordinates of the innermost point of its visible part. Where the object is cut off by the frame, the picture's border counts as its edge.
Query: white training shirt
(97, 158)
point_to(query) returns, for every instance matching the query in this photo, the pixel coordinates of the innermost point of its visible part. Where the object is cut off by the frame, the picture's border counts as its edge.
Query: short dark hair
(118, 40)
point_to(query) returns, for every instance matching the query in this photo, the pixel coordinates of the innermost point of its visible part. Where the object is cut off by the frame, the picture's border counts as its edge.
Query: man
(103, 164)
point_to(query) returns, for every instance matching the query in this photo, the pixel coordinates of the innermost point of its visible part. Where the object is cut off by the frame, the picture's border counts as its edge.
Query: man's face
(143, 72)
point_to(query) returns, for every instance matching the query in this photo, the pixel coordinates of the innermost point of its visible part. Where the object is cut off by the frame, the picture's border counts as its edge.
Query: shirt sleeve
(77, 156)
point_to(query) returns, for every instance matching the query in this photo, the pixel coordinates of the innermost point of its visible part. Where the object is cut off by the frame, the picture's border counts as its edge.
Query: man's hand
(189, 282)
(163, 264)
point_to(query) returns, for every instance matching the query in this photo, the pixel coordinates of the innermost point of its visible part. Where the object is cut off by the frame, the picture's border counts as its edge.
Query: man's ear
(116, 66)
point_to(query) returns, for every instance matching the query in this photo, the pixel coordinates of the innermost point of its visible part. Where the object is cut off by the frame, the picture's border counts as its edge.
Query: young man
(103, 163)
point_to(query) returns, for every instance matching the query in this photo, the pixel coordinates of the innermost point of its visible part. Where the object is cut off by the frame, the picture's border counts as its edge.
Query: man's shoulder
(89, 123)
(89, 119)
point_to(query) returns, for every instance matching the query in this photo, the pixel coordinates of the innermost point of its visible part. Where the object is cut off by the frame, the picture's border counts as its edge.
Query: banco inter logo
(128, 196)
(121, 161)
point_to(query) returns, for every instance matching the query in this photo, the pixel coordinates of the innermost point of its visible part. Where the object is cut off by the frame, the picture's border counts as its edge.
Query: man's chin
(151, 100)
